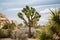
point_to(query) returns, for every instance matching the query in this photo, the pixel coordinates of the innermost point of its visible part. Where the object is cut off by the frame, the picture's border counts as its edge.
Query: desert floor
(12, 39)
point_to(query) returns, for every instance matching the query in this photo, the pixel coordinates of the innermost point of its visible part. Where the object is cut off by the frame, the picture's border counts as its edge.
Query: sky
(11, 7)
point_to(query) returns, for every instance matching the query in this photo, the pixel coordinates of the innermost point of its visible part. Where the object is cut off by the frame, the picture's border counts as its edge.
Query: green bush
(44, 36)
(1, 33)
(5, 33)
(9, 32)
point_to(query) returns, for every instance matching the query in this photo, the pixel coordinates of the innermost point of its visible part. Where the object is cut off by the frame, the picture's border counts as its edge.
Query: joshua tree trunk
(29, 31)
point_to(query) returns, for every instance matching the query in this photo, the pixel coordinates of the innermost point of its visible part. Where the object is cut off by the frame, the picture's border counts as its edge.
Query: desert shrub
(1, 33)
(8, 32)
(44, 36)
(4, 33)
(34, 33)
(18, 34)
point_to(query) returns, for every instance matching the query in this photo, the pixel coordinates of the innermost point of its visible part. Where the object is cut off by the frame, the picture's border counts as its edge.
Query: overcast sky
(12, 7)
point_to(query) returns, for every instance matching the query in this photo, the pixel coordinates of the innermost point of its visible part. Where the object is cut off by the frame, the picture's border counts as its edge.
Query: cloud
(14, 9)
(44, 2)
(28, 2)
(6, 3)
(43, 21)
(40, 7)
(45, 11)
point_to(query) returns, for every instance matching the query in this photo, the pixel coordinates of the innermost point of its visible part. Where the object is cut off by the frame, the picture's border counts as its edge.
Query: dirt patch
(31, 39)
(6, 39)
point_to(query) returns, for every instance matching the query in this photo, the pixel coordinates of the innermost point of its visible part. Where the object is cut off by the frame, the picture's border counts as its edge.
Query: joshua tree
(55, 16)
(55, 21)
(31, 15)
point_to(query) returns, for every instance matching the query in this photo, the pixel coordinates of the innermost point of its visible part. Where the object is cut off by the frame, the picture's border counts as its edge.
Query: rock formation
(3, 20)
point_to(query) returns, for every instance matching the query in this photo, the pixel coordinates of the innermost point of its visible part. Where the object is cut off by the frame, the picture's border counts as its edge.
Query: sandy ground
(11, 39)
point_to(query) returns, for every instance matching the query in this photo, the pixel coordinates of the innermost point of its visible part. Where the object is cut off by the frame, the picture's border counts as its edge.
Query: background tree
(31, 15)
